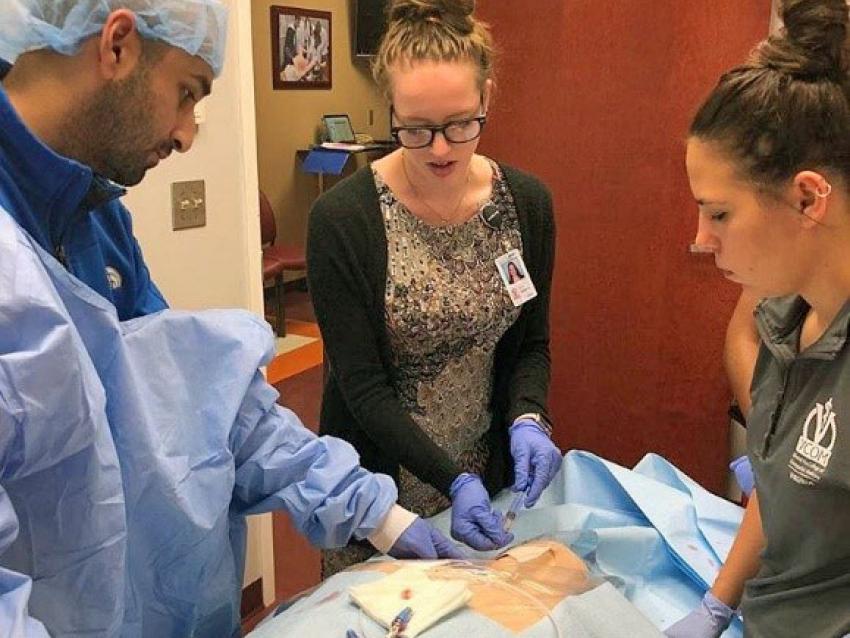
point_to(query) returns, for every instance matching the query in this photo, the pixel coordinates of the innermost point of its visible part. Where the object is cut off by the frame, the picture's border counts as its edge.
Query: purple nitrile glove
(474, 521)
(536, 459)
(423, 540)
(743, 470)
(709, 620)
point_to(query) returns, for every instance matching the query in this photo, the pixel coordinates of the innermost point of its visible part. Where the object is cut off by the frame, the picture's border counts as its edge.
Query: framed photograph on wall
(301, 48)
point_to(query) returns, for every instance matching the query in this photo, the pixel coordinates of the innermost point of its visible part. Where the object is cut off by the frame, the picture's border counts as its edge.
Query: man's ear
(811, 191)
(120, 46)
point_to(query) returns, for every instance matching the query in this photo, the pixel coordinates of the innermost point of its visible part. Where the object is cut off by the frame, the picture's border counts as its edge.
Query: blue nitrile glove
(709, 620)
(536, 459)
(743, 471)
(473, 520)
(423, 540)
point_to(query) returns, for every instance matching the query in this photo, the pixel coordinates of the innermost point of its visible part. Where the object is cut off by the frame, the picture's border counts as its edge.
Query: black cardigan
(347, 271)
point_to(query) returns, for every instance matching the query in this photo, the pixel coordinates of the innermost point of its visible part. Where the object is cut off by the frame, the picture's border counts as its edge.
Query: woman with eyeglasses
(438, 376)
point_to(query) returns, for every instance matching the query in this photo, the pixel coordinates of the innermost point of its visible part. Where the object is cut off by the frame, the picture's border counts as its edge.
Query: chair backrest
(268, 226)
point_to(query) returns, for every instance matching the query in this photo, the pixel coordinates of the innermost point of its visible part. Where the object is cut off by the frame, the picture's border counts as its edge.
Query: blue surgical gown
(130, 454)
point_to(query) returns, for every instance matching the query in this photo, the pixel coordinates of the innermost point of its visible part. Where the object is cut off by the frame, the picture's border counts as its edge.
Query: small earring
(828, 191)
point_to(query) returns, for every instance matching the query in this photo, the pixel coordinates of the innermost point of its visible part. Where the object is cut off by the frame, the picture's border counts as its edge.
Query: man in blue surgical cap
(133, 443)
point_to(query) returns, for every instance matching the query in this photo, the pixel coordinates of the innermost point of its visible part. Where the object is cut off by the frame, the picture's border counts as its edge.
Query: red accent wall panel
(595, 97)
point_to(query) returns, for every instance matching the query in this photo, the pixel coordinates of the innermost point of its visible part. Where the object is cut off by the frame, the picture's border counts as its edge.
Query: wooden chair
(277, 259)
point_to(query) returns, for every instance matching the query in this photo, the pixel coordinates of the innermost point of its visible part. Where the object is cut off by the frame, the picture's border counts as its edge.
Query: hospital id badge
(516, 278)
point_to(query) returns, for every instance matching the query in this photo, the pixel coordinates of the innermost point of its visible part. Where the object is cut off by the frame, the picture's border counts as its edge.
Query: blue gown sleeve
(202, 373)
(15, 621)
(317, 480)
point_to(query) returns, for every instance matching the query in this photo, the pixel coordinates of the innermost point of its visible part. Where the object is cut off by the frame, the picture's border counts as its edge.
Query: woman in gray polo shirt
(768, 160)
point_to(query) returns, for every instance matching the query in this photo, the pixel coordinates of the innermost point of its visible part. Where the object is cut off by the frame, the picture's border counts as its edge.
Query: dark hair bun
(454, 13)
(813, 42)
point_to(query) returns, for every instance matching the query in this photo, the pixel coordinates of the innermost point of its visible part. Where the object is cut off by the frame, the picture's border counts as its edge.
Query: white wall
(219, 265)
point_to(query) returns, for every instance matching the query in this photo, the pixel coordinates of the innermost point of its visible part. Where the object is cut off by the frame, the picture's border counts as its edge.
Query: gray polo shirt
(798, 439)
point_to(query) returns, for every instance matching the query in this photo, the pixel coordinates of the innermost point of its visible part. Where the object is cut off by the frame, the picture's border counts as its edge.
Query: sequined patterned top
(347, 263)
(446, 309)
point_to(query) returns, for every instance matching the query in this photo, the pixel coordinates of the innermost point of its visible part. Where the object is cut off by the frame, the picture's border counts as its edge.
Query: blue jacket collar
(58, 190)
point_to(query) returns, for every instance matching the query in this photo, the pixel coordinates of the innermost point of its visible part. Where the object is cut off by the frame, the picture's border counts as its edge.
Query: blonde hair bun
(437, 31)
(456, 14)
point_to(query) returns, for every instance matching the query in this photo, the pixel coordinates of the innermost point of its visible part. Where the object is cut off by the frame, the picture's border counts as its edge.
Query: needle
(514, 509)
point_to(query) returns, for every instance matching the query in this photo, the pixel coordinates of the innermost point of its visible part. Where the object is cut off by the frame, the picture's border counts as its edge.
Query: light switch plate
(188, 204)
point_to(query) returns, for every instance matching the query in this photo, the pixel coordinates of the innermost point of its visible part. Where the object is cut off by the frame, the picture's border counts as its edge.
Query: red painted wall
(595, 97)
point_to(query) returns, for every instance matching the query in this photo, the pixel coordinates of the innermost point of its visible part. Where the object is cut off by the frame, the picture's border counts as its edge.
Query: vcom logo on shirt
(114, 278)
(814, 447)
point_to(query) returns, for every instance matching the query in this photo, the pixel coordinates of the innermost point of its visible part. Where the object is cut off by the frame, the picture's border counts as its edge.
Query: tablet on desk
(339, 129)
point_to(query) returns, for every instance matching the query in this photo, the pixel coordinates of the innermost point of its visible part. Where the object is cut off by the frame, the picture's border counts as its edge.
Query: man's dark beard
(113, 133)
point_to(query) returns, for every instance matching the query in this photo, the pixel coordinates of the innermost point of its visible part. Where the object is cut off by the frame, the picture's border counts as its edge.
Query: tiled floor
(300, 382)
(299, 357)
(291, 341)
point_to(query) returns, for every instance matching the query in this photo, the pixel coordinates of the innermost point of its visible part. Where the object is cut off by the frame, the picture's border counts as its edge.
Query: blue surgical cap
(199, 27)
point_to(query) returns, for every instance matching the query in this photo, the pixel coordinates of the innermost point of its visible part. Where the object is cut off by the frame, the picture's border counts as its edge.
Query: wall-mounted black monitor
(369, 24)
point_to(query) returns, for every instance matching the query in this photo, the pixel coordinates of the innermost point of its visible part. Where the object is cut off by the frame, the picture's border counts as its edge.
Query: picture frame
(301, 48)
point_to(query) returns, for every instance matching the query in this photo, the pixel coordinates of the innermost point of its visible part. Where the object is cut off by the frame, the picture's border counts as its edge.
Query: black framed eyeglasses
(455, 132)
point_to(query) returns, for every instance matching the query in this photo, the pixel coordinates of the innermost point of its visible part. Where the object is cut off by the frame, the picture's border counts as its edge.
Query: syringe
(516, 505)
